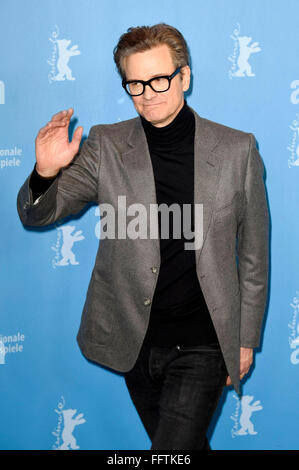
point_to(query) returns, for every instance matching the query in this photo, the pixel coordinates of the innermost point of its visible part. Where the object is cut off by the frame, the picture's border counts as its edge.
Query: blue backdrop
(58, 54)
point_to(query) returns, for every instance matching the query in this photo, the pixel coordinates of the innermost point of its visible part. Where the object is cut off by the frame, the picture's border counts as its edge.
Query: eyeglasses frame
(148, 82)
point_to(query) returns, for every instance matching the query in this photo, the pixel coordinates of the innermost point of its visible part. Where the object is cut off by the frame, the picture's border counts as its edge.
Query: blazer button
(147, 301)
(154, 269)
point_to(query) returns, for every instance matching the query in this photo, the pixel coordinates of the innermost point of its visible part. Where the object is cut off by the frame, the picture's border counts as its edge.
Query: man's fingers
(58, 120)
(66, 113)
(54, 124)
(243, 373)
(51, 125)
(42, 131)
(244, 370)
(58, 116)
(228, 381)
(77, 137)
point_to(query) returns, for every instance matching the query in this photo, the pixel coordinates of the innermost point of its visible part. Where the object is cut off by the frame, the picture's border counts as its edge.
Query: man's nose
(148, 92)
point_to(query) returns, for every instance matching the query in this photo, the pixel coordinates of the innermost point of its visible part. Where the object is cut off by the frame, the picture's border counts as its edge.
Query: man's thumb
(77, 137)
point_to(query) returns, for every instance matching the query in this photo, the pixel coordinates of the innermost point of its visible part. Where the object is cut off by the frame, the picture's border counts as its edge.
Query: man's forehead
(149, 64)
(145, 78)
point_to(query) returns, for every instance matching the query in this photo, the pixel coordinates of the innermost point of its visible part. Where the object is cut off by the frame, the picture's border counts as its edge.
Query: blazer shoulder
(231, 144)
(117, 128)
(227, 134)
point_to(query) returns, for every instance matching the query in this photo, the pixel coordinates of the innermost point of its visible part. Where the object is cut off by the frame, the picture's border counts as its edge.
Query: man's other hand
(246, 358)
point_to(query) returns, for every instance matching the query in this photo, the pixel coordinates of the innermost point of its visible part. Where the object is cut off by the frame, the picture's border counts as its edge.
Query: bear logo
(296, 162)
(245, 51)
(69, 421)
(246, 411)
(64, 71)
(294, 147)
(294, 344)
(68, 241)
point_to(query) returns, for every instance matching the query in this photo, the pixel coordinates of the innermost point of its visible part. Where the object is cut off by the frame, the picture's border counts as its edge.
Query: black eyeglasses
(158, 84)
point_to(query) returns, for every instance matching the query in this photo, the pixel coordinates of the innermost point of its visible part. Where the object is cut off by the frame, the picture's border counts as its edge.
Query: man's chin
(154, 116)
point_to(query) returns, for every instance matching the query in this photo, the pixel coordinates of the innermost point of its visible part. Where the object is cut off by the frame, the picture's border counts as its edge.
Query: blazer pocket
(225, 215)
(98, 319)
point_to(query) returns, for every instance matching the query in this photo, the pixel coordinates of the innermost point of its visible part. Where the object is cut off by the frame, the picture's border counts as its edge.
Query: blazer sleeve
(38, 184)
(74, 187)
(253, 234)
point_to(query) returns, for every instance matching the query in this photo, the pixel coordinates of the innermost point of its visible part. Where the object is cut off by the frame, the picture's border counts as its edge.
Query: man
(180, 324)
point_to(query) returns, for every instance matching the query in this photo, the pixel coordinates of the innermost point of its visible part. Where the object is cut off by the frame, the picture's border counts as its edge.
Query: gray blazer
(231, 265)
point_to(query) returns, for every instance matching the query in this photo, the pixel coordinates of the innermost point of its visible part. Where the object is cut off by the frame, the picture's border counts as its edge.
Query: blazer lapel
(207, 167)
(137, 161)
(138, 165)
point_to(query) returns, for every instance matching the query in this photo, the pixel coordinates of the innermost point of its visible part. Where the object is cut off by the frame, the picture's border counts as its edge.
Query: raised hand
(53, 150)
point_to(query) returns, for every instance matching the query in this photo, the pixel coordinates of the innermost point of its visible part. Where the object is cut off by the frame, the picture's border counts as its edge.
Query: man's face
(158, 108)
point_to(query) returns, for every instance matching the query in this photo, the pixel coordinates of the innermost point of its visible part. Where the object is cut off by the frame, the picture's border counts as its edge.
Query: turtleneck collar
(182, 127)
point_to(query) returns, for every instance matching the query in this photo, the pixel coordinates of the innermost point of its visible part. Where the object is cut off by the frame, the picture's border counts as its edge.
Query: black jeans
(175, 391)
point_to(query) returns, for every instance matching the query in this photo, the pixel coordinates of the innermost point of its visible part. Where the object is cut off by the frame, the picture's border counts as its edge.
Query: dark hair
(142, 38)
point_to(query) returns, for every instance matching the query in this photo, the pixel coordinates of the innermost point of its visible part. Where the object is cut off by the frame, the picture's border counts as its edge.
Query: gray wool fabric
(228, 181)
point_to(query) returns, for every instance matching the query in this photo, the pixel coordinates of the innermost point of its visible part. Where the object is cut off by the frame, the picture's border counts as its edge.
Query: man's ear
(186, 75)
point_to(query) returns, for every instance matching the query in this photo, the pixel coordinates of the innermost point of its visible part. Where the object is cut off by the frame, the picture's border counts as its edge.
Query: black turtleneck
(179, 314)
